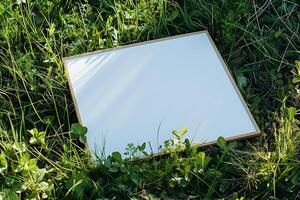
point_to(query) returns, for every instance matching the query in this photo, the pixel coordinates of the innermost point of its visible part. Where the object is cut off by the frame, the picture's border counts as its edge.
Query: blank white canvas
(125, 95)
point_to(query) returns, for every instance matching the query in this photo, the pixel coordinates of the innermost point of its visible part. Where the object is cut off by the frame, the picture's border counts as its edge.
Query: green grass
(41, 154)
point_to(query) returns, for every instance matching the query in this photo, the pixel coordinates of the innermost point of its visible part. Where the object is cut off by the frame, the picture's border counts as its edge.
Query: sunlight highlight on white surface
(125, 94)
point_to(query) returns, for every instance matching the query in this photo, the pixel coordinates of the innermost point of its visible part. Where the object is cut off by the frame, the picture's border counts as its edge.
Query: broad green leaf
(142, 147)
(33, 132)
(296, 79)
(221, 142)
(183, 131)
(41, 136)
(176, 133)
(37, 137)
(117, 156)
(187, 143)
(83, 139)
(78, 132)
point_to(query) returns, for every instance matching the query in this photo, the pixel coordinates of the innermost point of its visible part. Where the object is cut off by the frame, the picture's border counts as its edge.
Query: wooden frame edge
(225, 67)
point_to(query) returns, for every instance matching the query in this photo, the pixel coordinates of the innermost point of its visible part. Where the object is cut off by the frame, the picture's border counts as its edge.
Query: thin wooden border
(241, 136)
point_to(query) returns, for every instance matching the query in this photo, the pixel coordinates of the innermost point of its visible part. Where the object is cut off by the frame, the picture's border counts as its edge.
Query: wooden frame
(241, 136)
